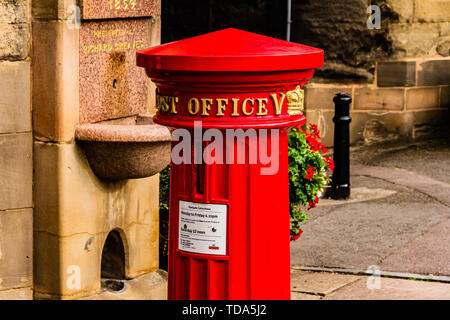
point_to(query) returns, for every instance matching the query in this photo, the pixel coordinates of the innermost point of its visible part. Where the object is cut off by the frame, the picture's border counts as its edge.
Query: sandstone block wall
(398, 75)
(16, 152)
(74, 209)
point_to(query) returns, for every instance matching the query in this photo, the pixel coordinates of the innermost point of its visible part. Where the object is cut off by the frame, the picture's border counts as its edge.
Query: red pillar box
(232, 97)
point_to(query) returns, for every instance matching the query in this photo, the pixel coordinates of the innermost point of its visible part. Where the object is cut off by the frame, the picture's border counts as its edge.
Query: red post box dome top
(230, 50)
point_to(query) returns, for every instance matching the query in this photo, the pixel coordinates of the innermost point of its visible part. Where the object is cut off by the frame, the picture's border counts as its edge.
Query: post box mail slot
(231, 97)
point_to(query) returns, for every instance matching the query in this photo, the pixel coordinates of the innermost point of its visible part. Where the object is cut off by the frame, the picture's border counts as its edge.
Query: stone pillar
(84, 71)
(16, 152)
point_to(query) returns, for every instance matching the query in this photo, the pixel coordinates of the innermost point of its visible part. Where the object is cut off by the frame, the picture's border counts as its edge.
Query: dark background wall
(182, 19)
(337, 26)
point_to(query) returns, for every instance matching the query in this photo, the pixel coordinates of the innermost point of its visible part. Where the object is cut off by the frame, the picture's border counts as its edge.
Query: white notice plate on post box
(202, 228)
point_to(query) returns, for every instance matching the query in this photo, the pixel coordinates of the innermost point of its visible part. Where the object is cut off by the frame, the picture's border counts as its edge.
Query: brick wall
(16, 152)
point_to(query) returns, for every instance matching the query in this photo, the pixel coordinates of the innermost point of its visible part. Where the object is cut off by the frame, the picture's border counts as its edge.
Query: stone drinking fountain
(97, 153)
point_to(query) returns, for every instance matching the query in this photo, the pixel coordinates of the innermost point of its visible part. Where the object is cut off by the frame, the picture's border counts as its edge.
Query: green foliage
(307, 173)
(164, 190)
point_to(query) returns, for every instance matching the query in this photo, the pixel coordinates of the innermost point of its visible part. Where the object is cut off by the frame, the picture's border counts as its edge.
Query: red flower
(313, 204)
(330, 163)
(310, 172)
(315, 130)
(296, 236)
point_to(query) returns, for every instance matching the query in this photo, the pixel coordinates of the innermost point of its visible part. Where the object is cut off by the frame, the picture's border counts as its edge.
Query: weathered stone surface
(324, 121)
(15, 110)
(430, 123)
(322, 97)
(393, 289)
(83, 202)
(376, 127)
(55, 80)
(357, 235)
(433, 72)
(404, 9)
(54, 9)
(111, 85)
(443, 46)
(432, 11)
(151, 286)
(424, 255)
(319, 283)
(17, 294)
(396, 73)
(16, 248)
(303, 296)
(416, 39)
(378, 99)
(107, 9)
(125, 151)
(14, 29)
(14, 11)
(86, 207)
(422, 98)
(67, 267)
(340, 28)
(14, 41)
(445, 97)
(16, 170)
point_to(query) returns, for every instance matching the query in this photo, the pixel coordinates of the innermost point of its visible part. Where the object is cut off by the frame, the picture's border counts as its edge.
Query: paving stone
(304, 296)
(357, 235)
(396, 73)
(151, 286)
(393, 289)
(17, 294)
(319, 283)
(427, 254)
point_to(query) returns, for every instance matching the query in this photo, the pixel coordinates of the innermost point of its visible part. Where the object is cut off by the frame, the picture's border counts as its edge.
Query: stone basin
(127, 148)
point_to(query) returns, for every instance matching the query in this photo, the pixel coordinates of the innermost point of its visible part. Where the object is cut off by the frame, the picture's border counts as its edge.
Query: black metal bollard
(340, 185)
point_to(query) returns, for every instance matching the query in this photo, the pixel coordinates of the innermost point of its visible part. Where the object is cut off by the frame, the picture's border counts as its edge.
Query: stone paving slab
(151, 286)
(303, 296)
(393, 289)
(357, 235)
(425, 254)
(319, 283)
(436, 189)
(17, 294)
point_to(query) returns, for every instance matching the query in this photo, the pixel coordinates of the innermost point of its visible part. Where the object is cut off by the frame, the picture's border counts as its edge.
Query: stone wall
(16, 152)
(398, 75)
(55, 214)
(85, 73)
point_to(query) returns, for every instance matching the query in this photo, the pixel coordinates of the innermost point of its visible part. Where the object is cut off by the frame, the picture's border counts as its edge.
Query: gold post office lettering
(236, 106)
